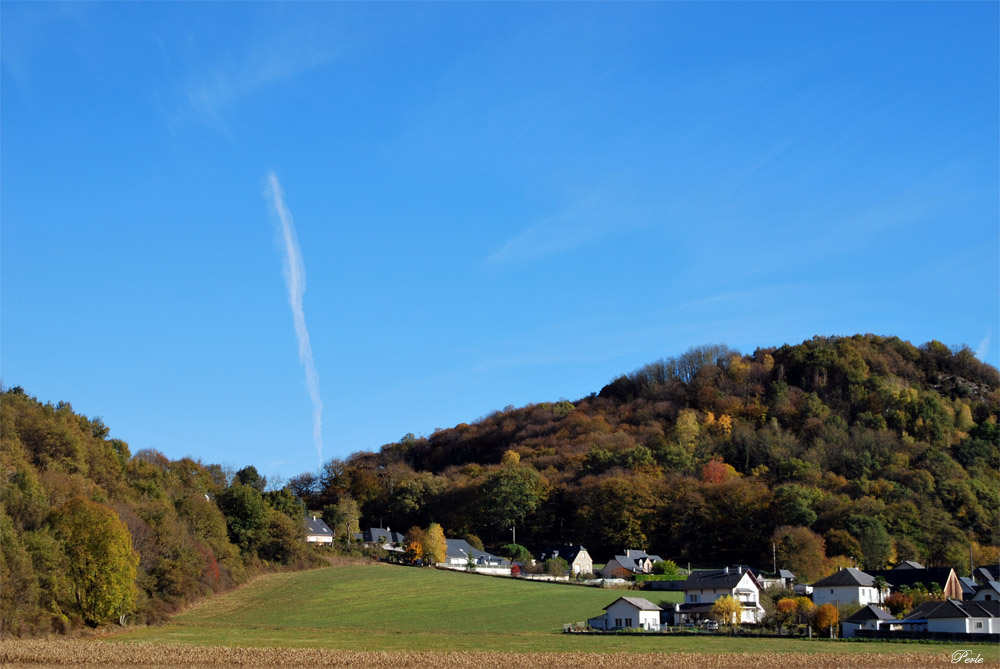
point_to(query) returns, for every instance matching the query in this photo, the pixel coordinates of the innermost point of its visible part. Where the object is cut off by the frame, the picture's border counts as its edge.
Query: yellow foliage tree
(435, 547)
(826, 617)
(726, 610)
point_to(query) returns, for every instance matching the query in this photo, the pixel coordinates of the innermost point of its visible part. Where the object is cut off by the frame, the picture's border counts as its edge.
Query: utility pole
(774, 559)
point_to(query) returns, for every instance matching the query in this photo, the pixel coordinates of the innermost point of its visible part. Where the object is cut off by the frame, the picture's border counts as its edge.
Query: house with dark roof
(954, 616)
(867, 618)
(318, 532)
(846, 586)
(987, 592)
(990, 573)
(628, 613)
(909, 564)
(384, 537)
(944, 577)
(576, 557)
(459, 551)
(702, 588)
(631, 563)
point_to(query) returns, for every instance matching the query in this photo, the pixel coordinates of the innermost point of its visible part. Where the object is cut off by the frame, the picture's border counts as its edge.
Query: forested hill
(90, 533)
(865, 448)
(860, 447)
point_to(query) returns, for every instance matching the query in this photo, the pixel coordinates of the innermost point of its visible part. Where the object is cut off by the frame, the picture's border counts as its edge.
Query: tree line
(91, 533)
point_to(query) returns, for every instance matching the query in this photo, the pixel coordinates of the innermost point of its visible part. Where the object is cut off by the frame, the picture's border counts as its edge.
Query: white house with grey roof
(318, 532)
(702, 588)
(628, 613)
(459, 554)
(868, 618)
(847, 586)
(955, 616)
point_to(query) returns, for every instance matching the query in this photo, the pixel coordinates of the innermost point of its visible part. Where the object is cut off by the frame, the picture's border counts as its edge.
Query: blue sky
(494, 203)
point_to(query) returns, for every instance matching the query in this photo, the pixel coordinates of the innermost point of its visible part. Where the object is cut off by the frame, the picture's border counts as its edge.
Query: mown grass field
(389, 608)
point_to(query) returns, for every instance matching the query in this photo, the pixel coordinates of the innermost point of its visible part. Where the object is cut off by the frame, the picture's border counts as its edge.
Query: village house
(628, 613)
(868, 618)
(954, 616)
(576, 557)
(381, 537)
(631, 563)
(458, 554)
(702, 588)
(987, 592)
(846, 586)
(318, 532)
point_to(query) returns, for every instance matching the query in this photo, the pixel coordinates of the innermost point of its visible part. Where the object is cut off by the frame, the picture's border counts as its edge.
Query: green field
(393, 608)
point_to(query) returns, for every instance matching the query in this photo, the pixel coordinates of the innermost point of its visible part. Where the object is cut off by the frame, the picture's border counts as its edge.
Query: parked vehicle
(710, 626)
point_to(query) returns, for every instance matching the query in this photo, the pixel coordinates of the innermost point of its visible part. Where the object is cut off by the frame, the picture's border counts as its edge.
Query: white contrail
(295, 279)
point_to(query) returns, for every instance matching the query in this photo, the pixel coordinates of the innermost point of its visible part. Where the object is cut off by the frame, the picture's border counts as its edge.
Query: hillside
(865, 447)
(90, 533)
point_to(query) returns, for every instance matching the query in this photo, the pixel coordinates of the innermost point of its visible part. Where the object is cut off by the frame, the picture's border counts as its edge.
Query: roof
(953, 608)
(900, 577)
(717, 579)
(316, 525)
(636, 554)
(568, 553)
(909, 564)
(379, 535)
(991, 573)
(784, 573)
(848, 577)
(460, 548)
(868, 613)
(638, 602)
(989, 585)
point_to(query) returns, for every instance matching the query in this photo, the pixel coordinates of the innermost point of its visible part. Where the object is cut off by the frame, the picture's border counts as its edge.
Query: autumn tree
(415, 537)
(785, 611)
(435, 547)
(826, 617)
(800, 550)
(102, 563)
(727, 610)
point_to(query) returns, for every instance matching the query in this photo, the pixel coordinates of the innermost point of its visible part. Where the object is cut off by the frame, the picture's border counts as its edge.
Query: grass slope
(391, 608)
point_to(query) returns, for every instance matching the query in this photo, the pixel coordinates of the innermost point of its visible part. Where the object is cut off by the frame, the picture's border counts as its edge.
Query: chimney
(727, 569)
(740, 568)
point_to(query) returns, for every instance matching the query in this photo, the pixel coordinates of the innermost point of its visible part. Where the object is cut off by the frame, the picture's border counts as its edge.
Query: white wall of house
(844, 594)
(746, 592)
(319, 538)
(622, 614)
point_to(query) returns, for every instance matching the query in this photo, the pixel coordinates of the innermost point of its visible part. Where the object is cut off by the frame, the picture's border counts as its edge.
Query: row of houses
(977, 613)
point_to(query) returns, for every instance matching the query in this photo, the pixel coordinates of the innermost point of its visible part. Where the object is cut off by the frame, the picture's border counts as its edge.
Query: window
(628, 622)
(979, 624)
(618, 622)
(831, 591)
(694, 598)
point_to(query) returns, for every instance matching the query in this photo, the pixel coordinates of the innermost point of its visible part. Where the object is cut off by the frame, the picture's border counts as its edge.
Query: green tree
(510, 494)
(875, 542)
(102, 564)
(556, 566)
(249, 476)
(516, 553)
(666, 568)
(246, 516)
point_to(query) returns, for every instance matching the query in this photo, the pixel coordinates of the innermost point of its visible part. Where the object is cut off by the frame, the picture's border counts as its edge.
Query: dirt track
(64, 653)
